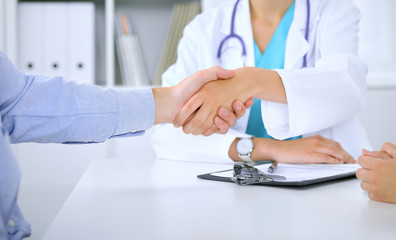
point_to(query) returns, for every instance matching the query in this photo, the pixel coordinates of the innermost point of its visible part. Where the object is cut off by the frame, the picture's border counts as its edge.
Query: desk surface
(138, 199)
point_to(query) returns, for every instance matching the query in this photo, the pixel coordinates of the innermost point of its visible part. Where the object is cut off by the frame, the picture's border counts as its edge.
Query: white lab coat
(322, 99)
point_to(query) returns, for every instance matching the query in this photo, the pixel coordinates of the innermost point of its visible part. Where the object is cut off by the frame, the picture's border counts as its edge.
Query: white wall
(379, 116)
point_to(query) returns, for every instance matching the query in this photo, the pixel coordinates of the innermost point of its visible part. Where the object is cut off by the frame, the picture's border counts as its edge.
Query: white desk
(138, 199)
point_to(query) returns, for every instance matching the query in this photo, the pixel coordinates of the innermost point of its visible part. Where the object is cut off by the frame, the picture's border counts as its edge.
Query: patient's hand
(378, 173)
(170, 100)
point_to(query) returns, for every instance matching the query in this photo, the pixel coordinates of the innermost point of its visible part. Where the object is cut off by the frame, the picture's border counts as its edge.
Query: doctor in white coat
(323, 80)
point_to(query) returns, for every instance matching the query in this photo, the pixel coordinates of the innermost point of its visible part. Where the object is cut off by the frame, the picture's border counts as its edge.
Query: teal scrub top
(272, 58)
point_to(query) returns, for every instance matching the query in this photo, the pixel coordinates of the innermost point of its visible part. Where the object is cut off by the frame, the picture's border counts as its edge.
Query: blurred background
(92, 41)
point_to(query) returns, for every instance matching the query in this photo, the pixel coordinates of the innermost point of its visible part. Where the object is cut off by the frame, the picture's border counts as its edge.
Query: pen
(272, 168)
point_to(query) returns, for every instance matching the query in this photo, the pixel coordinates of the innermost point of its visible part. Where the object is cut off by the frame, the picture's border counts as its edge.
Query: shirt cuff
(136, 110)
(277, 117)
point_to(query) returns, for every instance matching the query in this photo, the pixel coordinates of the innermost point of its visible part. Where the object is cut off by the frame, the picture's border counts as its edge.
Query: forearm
(262, 84)
(55, 110)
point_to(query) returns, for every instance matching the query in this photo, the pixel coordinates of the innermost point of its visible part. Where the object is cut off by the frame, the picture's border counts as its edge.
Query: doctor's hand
(314, 149)
(169, 101)
(378, 173)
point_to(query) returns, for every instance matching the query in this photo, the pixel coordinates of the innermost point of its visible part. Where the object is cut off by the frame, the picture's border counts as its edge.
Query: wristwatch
(244, 147)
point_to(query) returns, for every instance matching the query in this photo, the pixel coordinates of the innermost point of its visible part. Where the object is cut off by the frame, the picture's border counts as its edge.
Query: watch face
(244, 146)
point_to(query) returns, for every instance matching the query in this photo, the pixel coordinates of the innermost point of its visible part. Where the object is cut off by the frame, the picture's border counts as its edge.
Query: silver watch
(244, 147)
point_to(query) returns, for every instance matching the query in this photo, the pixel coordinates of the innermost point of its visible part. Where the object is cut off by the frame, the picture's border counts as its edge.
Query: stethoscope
(239, 38)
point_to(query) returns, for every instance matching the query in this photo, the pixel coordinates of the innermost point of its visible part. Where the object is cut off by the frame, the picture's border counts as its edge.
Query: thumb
(214, 73)
(224, 73)
(390, 149)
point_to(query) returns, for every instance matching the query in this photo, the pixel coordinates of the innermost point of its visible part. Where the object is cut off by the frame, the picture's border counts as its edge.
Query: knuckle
(362, 185)
(358, 174)
(375, 165)
(316, 140)
(195, 123)
(222, 131)
(371, 196)
(374, 189)
(207, 125)
(372, 179)
(318, 137)
(387, 144)
(185, 130)
(331, 160)
(333, 151)
(188, 107)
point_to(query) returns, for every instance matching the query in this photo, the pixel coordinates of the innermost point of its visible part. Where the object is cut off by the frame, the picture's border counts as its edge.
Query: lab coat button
(11, 223)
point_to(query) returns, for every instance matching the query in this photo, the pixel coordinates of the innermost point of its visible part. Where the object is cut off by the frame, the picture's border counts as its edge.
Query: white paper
(301, 172)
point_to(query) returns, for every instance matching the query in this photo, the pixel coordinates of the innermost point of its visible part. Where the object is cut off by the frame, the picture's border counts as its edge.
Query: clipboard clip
(245, 174)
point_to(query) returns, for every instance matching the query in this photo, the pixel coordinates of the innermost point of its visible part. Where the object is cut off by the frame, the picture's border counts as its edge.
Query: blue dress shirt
(44, 110)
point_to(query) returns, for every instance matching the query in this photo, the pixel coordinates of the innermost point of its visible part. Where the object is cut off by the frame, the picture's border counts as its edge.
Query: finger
(192, 84)
(249, 103)
(222, 131)
(366, 186)
(339, 155)
(363, 174)
(366, 162)
(335, 150)
(238, 108)
(325, 158)
(211, 131)
(189, 108)
(390, 149)
(374, 197)
(207, 124)
(221, 125)
(227, 115)
(205, 120)
(222, 73)
(189, 118)
(198, 120)
(214, 73)
(378, 154)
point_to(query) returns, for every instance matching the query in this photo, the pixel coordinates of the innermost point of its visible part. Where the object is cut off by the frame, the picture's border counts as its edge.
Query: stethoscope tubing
(239, 38)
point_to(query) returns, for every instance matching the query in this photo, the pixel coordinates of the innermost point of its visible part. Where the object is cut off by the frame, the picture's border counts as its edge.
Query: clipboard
(295, 174)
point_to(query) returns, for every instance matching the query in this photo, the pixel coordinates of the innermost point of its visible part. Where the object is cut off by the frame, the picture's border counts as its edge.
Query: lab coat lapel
(243, 28)
(296, 44)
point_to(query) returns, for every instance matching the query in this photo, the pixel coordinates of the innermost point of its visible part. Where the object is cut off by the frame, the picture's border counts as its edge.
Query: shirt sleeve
(40, 109)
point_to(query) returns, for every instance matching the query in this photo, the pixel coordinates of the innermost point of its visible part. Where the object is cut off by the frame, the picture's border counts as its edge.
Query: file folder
(81, 41)
(31, 30)
(57, 39)
(54, 39)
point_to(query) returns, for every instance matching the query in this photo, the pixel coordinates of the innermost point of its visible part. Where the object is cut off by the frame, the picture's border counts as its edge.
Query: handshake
(209, 101)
